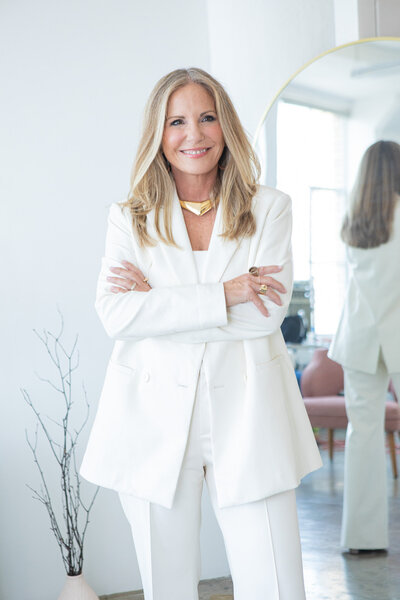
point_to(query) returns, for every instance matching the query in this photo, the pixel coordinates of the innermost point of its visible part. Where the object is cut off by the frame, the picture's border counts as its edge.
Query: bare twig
(70, 529)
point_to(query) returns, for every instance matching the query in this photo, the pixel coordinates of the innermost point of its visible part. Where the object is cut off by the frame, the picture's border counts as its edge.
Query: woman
(199, 384)
(367, 342)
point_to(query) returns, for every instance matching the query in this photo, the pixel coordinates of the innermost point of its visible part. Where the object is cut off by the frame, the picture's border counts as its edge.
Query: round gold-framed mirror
(310, 141)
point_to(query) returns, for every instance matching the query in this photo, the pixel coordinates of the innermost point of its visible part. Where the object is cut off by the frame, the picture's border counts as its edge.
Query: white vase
(76, 588)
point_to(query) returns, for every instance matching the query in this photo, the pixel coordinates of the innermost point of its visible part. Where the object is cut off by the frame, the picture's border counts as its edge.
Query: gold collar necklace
(198, 208)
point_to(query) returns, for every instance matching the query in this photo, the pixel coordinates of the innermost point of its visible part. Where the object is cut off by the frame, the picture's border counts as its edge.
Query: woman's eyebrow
(182, 116)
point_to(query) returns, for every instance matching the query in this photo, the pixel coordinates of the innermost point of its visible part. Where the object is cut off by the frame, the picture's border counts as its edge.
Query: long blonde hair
(152, 185)
(369, 221)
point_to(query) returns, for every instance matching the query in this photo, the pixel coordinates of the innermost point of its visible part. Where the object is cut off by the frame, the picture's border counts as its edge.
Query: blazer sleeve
(161, 311)
(272, 247)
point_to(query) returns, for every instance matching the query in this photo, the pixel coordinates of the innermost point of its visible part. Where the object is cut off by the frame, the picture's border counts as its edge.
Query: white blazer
(262, 439)
(370, 318)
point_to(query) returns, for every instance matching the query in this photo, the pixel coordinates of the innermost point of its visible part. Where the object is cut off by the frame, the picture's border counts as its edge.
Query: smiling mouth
(195, 152)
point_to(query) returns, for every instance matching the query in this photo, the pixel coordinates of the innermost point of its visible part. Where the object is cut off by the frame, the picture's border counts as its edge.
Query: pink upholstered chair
(322, 389)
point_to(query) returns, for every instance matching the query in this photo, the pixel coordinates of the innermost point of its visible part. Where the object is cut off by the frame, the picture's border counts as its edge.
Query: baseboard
(123, 596)
(210, 589)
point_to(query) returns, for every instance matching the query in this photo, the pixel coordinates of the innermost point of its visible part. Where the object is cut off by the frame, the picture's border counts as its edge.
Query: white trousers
(261, 538)
(365, 501)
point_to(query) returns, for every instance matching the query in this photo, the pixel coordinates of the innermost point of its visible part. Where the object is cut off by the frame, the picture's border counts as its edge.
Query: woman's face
(192, 140)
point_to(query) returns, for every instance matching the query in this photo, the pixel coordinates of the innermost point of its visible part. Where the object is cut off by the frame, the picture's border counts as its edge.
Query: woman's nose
(194, 132)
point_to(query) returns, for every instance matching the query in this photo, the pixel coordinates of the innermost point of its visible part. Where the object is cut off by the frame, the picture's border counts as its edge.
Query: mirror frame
(307, 64)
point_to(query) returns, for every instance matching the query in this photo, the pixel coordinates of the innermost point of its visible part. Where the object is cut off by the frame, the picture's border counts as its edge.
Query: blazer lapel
(180, 260)
(220, 251)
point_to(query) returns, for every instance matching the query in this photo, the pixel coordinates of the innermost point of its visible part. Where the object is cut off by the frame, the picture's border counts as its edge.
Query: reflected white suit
(261, 439)
(367, 345)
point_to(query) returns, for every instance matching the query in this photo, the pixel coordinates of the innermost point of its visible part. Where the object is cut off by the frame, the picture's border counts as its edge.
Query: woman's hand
(246, 288)
(130, 278)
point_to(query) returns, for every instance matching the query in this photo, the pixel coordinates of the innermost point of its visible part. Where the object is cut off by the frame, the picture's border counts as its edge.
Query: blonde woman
(199, 385)
(367, 342)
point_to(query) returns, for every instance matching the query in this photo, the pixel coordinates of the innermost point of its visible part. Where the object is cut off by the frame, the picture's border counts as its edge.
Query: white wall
(369, 124)
(257, 45)
(346, 21)
(72, 92)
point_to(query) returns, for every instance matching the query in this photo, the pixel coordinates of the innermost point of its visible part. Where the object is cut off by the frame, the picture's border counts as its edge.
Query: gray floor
(330, 573)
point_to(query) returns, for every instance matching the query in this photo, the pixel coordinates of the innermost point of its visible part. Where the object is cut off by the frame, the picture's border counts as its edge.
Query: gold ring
(263, 289)
(254, 271)
(145, 280)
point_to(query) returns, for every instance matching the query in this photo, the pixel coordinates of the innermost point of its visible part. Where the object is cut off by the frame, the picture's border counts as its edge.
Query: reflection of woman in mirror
(367, 342)
(199, 385)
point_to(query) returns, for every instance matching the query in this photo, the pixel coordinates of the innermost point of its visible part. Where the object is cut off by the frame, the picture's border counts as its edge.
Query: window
(311, 160)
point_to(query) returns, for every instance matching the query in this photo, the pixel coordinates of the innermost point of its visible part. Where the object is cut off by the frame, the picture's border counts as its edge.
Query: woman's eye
(176, 122)
(209, 118)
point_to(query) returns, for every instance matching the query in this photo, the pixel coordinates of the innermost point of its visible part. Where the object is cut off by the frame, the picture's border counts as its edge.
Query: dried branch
(69, 529)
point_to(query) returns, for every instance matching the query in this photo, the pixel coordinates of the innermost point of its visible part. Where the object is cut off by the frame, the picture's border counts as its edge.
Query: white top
(200, 257)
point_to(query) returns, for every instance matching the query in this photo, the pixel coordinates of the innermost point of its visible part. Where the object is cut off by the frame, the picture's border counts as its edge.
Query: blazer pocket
(274, 362)
(114, 366)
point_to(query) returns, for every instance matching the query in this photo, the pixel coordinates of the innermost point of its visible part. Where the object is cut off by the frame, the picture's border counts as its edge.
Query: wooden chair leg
(392, 447)
(330, 443)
